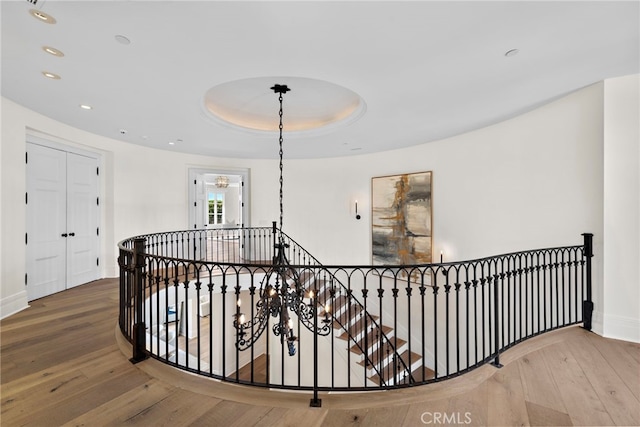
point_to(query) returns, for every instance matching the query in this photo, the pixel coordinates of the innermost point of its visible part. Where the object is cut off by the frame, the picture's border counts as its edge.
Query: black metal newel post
(274, 230)
(315, 402)
(496, 325)
(139, 328)
(587, 304)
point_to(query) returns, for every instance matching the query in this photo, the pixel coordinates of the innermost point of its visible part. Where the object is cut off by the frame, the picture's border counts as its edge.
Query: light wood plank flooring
(62, 363)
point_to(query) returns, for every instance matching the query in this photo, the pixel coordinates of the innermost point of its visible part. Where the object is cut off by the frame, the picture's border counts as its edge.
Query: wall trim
(622, 328)
(597, 322)
(13, 304)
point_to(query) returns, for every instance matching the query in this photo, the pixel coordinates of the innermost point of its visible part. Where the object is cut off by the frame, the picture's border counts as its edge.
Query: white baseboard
(13, 304)
(622, 328)
(597, 322)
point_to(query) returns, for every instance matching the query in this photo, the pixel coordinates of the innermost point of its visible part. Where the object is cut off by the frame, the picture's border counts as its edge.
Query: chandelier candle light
(282, 293)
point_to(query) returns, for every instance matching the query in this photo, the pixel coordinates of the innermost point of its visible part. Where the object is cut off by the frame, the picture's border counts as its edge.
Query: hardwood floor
(62, 363)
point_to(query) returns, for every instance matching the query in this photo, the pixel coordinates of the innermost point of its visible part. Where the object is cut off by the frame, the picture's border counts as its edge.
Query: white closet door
(62, 220)
(46, 221)
(82, 219)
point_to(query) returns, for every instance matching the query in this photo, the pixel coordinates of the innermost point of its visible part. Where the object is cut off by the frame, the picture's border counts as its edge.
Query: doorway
(62, 219)
(218, 198)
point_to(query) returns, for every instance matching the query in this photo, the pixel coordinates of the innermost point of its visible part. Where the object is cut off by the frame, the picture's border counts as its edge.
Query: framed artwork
(401, 219)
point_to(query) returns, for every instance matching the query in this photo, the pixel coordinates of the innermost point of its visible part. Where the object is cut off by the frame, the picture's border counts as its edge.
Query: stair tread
(416, 374)
(382, 352)
(339, 302)
(344, 317)
(358, 322)
(350, 311)
(306, 276)
(310, 282)
(371, 337)
(324, 292)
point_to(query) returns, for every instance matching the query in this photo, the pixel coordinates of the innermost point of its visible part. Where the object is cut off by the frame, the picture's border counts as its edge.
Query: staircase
(384, 356)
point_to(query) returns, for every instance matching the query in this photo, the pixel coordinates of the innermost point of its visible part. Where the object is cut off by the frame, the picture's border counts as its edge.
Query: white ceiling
(425, 70)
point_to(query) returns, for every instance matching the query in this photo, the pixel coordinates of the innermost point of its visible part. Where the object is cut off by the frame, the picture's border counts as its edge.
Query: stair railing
(299, 253)
(460, 314)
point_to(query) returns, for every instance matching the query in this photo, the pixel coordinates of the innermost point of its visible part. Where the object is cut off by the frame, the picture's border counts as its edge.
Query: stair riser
(359, 337)
(388, 359)
(373, 344)
(350, 323)
(414, 365)
(342, 310)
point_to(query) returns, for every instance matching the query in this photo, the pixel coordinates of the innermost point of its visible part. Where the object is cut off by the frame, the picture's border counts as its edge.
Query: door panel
(201, 203)
(82, 219)
(62, 220)
(46, 221)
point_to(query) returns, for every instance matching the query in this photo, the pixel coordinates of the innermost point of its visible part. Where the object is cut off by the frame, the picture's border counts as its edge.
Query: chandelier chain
(281, 153)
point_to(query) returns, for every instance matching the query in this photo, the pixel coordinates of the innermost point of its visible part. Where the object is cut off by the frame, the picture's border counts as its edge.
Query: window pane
(216, 208)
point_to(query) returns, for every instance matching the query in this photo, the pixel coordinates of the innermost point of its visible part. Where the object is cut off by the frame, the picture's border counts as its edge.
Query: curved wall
(535, 180)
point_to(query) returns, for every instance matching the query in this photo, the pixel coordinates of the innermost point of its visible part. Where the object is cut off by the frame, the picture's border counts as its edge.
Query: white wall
(620, 312)
(13, 295)
(532, 181)
(143, 190)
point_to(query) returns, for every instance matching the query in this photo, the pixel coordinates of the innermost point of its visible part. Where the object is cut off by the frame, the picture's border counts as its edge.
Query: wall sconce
(357, 214)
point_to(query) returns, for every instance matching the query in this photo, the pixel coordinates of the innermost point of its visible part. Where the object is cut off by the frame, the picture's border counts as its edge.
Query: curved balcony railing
(385, 327)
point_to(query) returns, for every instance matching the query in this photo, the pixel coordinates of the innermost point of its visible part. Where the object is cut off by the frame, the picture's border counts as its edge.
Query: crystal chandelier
(281, 290)
(222, 181)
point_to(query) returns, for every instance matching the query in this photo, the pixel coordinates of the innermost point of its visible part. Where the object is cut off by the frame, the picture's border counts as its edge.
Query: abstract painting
(401, 219)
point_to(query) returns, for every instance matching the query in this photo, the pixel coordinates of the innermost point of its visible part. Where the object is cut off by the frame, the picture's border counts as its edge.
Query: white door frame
(193, 174)
(37, 140)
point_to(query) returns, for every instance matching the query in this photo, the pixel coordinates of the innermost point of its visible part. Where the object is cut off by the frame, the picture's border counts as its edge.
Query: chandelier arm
(256, 326)
(305, 313)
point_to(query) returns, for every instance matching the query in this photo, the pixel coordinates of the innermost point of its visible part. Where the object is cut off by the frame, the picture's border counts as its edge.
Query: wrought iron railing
(389, 326)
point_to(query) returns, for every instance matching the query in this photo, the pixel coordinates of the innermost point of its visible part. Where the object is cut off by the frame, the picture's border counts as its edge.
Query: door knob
(64, 234)
(72, 234)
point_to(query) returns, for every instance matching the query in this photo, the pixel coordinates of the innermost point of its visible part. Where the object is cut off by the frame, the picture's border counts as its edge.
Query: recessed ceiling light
(512, 52)
(86, 107)
(122, 39)
(53, 51)
(172, 143)
(42, 17)
(51, 75)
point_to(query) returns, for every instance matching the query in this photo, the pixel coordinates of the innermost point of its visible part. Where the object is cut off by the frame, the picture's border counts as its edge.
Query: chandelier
(281, 290)
(222, 181)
